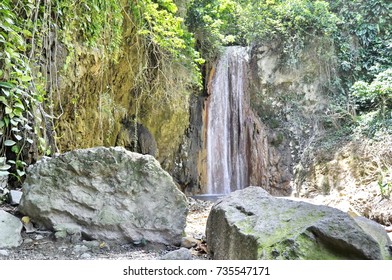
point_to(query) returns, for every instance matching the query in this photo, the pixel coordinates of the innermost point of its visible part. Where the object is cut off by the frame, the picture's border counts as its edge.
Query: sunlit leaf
(19, 105)
(3, 100)
(9, 143)
(4, 173)
(26, 78)
(8, 110)
(5, 167)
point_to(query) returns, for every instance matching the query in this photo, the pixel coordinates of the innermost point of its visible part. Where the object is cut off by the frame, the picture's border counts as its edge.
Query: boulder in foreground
(251, 224)
(109, 194)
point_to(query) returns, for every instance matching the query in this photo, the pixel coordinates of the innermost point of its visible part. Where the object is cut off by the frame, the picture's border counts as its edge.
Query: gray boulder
(378, 232)
(251, 224)
(109, 194)
(10, 229)
(180, 254)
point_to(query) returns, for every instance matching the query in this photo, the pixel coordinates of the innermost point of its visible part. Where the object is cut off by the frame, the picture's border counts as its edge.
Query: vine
(20, 94)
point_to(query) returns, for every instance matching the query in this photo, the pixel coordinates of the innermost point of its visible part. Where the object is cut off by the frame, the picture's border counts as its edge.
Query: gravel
(45, 246)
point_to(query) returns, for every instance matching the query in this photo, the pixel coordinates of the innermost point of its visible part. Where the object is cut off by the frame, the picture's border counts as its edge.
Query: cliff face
(99, 100)
(280, 112)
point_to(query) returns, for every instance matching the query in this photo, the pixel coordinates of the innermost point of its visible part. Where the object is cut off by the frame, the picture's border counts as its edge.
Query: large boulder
(251, 224)
(109, 194)
(10, 229)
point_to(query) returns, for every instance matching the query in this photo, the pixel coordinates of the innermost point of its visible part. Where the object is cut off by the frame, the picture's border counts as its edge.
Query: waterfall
(227, 165)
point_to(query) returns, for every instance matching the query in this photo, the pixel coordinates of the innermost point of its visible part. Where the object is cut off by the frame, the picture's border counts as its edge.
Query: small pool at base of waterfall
(208, 197)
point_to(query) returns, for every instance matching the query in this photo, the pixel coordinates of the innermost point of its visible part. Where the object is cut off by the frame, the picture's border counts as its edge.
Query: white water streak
(227, 167)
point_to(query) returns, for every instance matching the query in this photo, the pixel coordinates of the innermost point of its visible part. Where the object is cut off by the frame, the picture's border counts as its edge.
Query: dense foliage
(30, 32)
(19, 93)
(354, 38)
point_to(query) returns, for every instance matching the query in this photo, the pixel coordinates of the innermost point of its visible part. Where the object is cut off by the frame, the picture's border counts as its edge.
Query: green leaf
(3, 100)
(8, 110)
(5, 167)
(26, 78)
(6, 121)
(20, 172)
(18, 137)
(9, 143)
(4, 173)
(27, 33)
(19, 105)
(18, 112)
(14, 121)
(15, 149)
(6, 85)
(6, 92)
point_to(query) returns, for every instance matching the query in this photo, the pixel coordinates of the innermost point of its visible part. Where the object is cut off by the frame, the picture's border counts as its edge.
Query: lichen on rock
(251, 224)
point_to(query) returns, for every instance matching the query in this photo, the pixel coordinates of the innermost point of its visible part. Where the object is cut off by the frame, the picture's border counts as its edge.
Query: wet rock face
(138, 135)
(109, 194)
(251, 224)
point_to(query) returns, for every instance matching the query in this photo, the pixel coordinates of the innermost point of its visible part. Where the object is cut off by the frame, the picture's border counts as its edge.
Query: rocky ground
(42, 245)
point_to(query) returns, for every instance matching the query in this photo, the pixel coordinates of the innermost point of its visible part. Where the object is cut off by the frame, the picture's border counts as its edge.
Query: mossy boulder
(251, 224)
(109, 194)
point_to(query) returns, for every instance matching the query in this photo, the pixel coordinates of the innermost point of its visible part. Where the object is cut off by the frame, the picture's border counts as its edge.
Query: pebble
(28, 241)
(39, 237)
(4, 253)
(15, 197)
(181, 254)
(80, 249)
(91, 244)
(188, 242)
(85, 256)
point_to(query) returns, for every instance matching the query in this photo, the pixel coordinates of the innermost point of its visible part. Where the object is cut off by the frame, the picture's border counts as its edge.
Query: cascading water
(227, 165)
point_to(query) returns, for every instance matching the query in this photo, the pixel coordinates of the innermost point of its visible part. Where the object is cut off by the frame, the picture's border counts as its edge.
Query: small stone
(15, 197)
(86, 256)
(4, 253)
(63, 248)
(75, 238)
(188, 242)
(28, 241)
(181, 254)
(68, 230)
(62, 234)
(91, 244)
(80, 249)
(39, 237)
